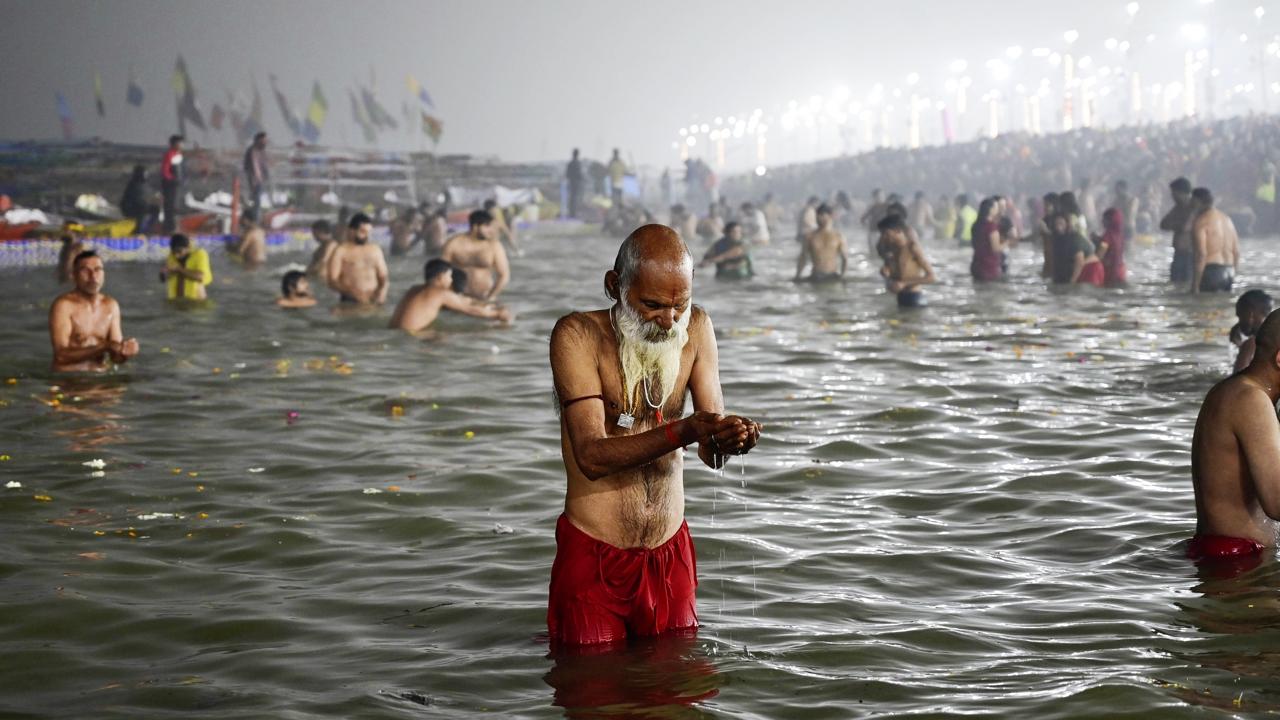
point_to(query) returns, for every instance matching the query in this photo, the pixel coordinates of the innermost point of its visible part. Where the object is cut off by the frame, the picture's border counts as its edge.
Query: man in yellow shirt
(187, 270)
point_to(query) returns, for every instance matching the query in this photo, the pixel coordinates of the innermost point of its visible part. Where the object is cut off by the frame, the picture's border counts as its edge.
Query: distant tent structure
(316, 114)
(185, 96)
(64, 114)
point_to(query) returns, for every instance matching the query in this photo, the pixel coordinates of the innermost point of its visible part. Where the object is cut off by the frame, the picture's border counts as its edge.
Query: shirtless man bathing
(1215, 248)
(825, 248)
(422, 304)
(84, 324)
(1235, 457)
(624, 558)
(357, 270)
(479, 253)
(905, 267)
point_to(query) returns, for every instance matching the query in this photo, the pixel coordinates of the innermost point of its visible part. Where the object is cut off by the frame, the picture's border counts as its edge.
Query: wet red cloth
(1113, 235)
(1091, 274)
(986, 265)
(603, 594)
(1221, 546)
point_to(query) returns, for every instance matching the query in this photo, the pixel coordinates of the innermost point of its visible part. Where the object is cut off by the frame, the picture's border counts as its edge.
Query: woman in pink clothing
(1111, 248)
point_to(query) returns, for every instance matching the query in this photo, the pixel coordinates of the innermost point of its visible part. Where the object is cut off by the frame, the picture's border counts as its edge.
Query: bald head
(655, 247)
(1267, 341)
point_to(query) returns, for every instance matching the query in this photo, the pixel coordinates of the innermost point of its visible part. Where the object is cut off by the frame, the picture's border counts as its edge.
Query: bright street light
(1132, 8)
(1071, 36)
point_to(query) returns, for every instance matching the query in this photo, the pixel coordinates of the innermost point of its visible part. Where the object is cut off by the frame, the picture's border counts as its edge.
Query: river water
(978, 508)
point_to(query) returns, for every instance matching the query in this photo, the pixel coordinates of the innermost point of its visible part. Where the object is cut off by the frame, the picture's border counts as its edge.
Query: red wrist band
(672, 436)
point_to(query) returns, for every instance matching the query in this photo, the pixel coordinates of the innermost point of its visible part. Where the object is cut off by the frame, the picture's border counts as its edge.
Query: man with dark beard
(624, 558)
(357, 269)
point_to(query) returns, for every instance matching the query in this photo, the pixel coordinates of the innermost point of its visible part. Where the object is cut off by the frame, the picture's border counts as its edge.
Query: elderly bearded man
(624, 557)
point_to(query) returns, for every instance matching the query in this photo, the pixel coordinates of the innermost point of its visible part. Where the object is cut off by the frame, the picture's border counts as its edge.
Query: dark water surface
(978, 508)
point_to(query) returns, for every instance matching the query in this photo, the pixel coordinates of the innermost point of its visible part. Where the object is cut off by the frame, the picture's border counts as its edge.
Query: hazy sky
(528, 80)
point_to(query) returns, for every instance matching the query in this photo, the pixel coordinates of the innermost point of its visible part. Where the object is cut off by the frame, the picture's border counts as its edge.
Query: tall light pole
(1068, 80)
(1258, 13)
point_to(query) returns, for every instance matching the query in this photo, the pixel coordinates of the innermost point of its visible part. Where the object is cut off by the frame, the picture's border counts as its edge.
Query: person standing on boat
(256, 174)
(171, 177)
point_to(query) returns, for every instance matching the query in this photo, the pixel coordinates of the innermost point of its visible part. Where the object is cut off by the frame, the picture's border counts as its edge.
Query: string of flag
(244, 115)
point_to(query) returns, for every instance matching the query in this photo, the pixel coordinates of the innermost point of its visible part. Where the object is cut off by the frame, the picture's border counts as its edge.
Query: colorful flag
(433, 127)
(316, 114)
(416, 90)
(64, 114)
(185, 95)
(134, 96)
(97, 94)
(290, 118)
(377, 114)
(361, 119)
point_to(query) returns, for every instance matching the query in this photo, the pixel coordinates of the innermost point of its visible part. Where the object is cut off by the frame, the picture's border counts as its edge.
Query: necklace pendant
(626, 420)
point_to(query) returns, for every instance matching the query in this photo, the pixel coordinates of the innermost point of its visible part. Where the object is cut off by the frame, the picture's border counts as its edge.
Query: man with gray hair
(624, 557)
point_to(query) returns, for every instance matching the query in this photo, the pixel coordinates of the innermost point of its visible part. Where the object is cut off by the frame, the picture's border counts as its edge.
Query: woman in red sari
(1111, 247)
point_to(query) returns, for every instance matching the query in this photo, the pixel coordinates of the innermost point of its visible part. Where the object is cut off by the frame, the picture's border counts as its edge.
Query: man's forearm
(69, 356)
(609, 455)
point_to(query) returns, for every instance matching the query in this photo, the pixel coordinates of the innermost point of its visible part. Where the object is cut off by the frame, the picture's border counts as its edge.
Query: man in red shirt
(171, 174)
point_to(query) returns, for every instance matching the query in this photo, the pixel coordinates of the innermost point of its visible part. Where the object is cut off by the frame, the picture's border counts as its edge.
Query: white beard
(649, 352)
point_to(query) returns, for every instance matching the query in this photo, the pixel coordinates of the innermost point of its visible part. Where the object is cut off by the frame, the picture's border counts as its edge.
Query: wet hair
(436, 267)
(984, 208)
(1252, 300)
(1203, 195)
(1267, 339)
(489, 204)
(1067, 204)
(359, 219)
(289, 283)
(730, 226)
(891, 222)
(139, 173)
(1181, 185)
(83, 255)
(175, 139)
(179, 241)
(259, 136)
(824, 209)
(897, 209)
(479, 217)
(459, 282)
(321, 226)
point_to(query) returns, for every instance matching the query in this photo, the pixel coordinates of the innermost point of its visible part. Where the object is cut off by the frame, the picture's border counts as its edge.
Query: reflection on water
(976, 508)
(650, 678)
(86, 406)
